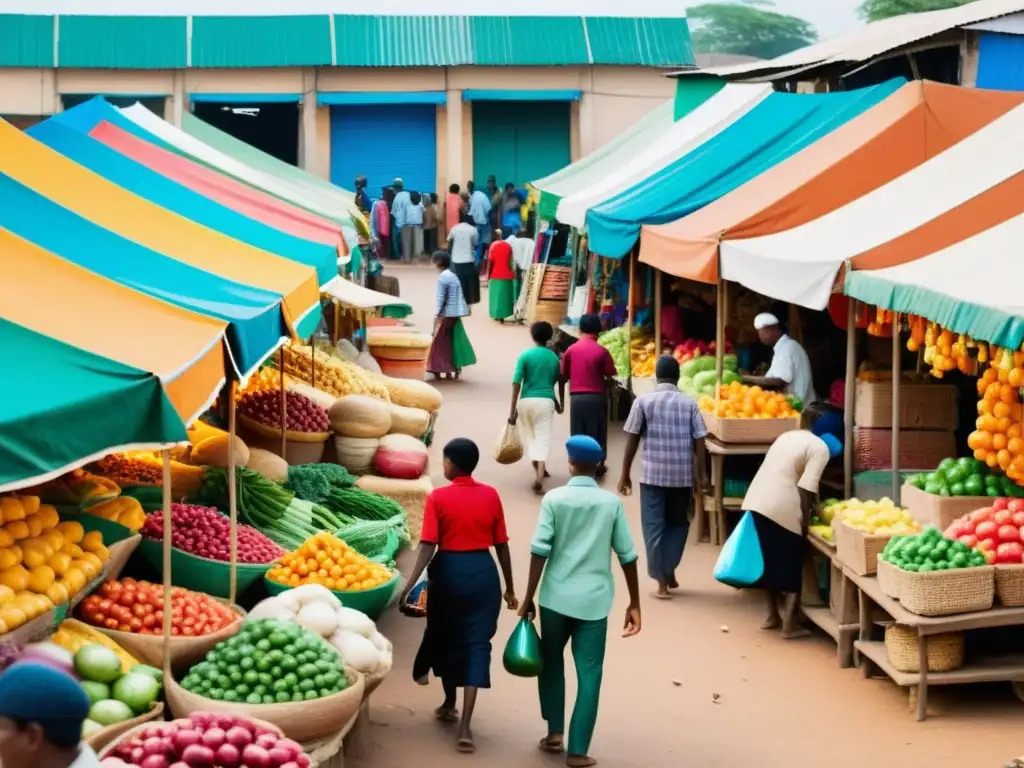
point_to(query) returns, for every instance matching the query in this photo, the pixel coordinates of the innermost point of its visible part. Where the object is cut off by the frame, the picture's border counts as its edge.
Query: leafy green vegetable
(314, 482)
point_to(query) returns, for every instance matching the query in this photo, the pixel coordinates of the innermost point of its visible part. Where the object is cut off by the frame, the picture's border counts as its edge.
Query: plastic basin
(201, 574)
(372, 602)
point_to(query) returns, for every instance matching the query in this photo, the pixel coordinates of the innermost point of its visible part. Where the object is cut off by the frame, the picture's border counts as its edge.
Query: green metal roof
(162, 42)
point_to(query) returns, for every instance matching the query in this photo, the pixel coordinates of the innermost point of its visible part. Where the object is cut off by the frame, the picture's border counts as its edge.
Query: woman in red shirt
(500, 279)
(461, 522)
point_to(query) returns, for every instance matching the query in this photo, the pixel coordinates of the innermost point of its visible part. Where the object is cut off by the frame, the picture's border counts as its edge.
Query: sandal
(551, 746)
(447, 715)
(580, 761)
(465, 746)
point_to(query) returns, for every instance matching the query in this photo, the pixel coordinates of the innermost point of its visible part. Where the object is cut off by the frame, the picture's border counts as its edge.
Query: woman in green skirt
(500, 279)
(450, 351)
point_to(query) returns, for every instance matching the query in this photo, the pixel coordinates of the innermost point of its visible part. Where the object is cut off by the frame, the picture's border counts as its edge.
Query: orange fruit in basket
(1016, 378)
(1008, 394)
(979, 440)
(999, 441)
(1000, 410)
(992, 459)
(1004, 459)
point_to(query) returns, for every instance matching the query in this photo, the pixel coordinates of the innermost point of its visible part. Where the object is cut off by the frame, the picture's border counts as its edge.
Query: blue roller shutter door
(519, 141)
(382, 141)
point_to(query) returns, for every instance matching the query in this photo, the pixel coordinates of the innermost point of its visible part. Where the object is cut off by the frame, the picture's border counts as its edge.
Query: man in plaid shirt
(673, 432)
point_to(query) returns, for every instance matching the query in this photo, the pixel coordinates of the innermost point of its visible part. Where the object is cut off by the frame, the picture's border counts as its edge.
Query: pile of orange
(740, 401)
(998, 439)
(327, 560)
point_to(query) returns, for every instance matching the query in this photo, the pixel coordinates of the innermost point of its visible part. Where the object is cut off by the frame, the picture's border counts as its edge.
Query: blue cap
(584, 449)
(835, 447)
(40, 694)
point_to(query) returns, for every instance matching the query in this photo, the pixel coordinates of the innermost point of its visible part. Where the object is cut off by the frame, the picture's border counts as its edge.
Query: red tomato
(189, 631)
(1016, 505)
(1000, 504)
(987, 529)
(1018, 518)
(148, 621)
(990, 556)
(969, 539)
(1009, 533)
(110, 623)
(1010, 552)
(1002, 517)
(985, 545)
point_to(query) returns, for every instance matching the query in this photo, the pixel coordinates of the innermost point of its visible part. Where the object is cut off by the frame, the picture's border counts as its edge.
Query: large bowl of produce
(201, 549)
(131, 613)
(305, 421)
(930, 551)
(206, 740)
(276, 671)
(874, 518)
(328, 561)
(997, 531)
(965, 477)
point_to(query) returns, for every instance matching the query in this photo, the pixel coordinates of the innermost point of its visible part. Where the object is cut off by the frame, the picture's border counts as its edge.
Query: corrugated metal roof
(1007, 25)
(146, 41)
(123, 42)
(870, 41)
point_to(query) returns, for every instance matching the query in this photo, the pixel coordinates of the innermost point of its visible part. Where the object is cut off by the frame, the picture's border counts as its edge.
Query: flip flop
(580, 761)
(465, 746)
(551, 747)
(447, 715)
(660, 596)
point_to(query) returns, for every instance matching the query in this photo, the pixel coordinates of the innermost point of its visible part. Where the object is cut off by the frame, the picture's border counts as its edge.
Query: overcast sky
(831, 17)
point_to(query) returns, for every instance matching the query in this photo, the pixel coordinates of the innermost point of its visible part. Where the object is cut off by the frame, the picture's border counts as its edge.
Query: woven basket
(945, 652)
(374, 681)
(548, 311)
(889, 577)
(301, 447)
(918, 448)
(130, 732)
(119, 554)
(300, 721)
(1010, 585)
(945, 593)
(857, 550)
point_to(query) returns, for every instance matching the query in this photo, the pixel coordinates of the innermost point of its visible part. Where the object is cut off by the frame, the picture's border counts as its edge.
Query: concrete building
(434, 92)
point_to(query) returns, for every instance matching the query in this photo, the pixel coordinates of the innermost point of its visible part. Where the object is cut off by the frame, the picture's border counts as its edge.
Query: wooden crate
(922, 406)
(748, 430)
(918, 448)
(857, 550)
(940, 511)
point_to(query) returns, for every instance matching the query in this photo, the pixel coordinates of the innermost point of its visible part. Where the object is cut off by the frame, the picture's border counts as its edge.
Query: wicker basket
(549, 311)
(301, 447)
(300, 721)
(946, 593)
(185, 651)
(119, 555)
(918, 448)
(940, 511)
(98, 740)
(945, 652)
(1010, 585)
(748, 430)
(125, 735)
(857, 550)
(889, 578)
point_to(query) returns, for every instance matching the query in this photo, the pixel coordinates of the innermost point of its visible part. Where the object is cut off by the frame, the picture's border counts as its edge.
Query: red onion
(205, 532)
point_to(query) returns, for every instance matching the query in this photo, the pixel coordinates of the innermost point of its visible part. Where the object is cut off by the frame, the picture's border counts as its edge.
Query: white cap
(765, 320)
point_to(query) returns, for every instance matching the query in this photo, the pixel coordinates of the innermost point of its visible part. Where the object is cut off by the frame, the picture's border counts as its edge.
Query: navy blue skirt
(463, 604)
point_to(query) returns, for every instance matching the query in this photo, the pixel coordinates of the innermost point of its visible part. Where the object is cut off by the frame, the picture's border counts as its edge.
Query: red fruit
(969, 539)
(1018, 519)
(979, 515)
(986, 529)
(1010, 552)
(1008, 533)
(1002, 517)
(990, 556)
(1000, 504)
(1016, 505)
(967, 526)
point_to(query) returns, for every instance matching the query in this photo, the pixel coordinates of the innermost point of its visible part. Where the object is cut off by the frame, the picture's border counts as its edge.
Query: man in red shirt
(500, 279)
(461, 523)
(589, 370)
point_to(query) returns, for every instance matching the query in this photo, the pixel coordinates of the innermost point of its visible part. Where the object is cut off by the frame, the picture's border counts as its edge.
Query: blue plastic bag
(741, 563)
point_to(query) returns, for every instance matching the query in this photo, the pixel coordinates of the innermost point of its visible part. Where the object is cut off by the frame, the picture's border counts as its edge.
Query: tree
(746, 29)
(875, 10)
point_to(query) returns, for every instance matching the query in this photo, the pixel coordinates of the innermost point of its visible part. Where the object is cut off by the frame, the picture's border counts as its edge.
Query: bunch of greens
(315, 482)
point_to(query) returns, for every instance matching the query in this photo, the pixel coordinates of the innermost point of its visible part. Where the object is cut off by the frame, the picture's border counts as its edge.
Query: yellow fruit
(31, 504)
(75, 579)
(9, 556)
(18, 529)
(6, 539)
(71, 548)
(41, 578)
(87, 567)
(12, 617)
(6, 595)
(48, 514)
(58, 594)
(11, 509)
(54, 538)
(60, 562)
(35, 525)
(73, 531)
(92, 540)
(34, 556)
(95, 561)
(15, 577)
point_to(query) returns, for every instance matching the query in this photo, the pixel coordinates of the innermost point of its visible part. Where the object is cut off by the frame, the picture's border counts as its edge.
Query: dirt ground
(701, 685)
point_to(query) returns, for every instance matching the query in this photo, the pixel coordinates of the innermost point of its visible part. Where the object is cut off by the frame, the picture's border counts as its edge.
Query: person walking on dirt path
(462, 522)
(782, 498)
(580, 526)
(589, 370)
(533, 398)
(450, 351)
(500, 280)
(462, 242)
(673, 432)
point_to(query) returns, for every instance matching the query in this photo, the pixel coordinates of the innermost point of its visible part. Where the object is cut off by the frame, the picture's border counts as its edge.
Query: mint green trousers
(588, 644)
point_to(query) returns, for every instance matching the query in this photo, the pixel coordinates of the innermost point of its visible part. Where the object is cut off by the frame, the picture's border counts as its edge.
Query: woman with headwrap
(461, 523)
(450, 351)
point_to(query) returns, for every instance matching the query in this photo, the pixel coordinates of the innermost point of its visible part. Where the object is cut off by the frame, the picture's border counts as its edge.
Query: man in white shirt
(523, 247)
(790, 371)
(480, 212)
(400, 211)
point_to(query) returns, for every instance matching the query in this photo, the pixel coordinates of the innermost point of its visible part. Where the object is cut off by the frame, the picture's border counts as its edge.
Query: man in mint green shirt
(533, 398)
(580, 527)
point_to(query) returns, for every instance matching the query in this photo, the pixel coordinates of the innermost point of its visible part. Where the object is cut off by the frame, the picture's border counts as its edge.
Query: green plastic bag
(522, 656)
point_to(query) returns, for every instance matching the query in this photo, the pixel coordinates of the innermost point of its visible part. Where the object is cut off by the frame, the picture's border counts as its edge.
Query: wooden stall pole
(896, 376)
(337, 322)
(849, 396)
(629, 321)
(166, 456)
(284, 408)
(657, 312)
(312, 370)
(232, 498)
(721, 298)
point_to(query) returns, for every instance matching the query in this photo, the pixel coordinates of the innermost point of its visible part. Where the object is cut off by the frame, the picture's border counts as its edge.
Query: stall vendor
(790, 370)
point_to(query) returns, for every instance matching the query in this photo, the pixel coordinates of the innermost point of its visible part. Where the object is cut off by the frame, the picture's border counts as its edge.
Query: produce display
(965, 477)
(930, 551)
(996, 531)
(401, 457)
(128, 470)
(114, 694)
(333, 375)
(204, 740)
(409, 421)
(123, 510)
(78, 487)
(414, 394)
(875, 518)
(74, 635)
(693, 348)
(997, 441)
(301, 413)
(698, 376)
(268, 661)
(356, 453)
(739, 401)
(205, 532)
(138, 607)
(408, 338)
(327, 560)
(360, 416)
(315, 482)
(316, 609)
(43, 561)
(263, 380)
(268, 464)
(620, 347)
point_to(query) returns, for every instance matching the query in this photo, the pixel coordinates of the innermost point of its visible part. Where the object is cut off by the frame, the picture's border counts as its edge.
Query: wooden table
(872, 653)
(716, 503)
(839, 619)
